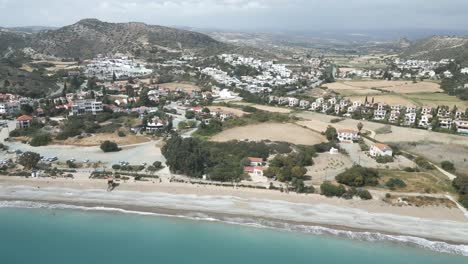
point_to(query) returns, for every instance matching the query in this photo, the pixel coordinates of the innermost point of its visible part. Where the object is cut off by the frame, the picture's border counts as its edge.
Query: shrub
(423, 163)
(249, 109)
(394, 183)
(388, 196)
(121, 134)
(365, 195)
(15, 133)
(384, 159)
(157, 164)
(464, 200)
(336, 120)
(329, 190)
(40, 140)
(409, 169)
(109, 146)
(447, 165)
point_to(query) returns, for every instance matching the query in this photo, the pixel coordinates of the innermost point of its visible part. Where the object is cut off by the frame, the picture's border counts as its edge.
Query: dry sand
(431, 222)
(285, 132)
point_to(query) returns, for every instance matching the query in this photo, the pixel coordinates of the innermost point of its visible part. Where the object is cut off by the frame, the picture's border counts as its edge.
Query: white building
(348, 135)
(90, 106)
(380, 150)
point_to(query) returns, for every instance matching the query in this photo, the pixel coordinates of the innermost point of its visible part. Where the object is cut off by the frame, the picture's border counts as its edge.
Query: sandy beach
(443, 224)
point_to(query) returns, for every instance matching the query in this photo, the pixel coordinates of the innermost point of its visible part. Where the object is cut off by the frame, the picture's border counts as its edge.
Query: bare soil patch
(286, 132)
(267, 108)
(97, 139)
(224, 109)
(186, 86)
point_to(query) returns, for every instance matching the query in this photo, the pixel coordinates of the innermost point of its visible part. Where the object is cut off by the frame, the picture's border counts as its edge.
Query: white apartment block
(90, 106)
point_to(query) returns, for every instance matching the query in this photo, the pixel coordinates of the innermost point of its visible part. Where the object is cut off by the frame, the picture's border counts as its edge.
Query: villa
(24, 121)
(380, 150)
(348, 135)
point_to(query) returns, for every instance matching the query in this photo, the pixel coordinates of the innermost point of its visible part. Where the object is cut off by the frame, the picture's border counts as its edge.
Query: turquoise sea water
(73, 236)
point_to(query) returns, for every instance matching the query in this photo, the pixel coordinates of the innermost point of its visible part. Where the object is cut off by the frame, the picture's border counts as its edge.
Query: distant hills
(89, 37)
(439, 47)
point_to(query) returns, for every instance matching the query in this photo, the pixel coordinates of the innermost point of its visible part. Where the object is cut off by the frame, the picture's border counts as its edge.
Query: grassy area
(435, 99)
(422, 182)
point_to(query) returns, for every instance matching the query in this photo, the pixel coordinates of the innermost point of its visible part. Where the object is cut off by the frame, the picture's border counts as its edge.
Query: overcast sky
(245, 14)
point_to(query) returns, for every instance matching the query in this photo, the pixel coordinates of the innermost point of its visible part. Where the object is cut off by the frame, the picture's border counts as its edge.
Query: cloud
(245, 14)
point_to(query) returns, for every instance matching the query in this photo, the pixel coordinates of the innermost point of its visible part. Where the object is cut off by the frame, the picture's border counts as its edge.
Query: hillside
(439, 47)
(89, 37)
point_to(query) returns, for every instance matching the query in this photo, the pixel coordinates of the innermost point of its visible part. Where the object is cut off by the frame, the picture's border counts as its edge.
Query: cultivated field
(58, 65)
(224, 109)
(186, 86)
(435, 99)
(267, 108)
(286, 132)
(348, 88)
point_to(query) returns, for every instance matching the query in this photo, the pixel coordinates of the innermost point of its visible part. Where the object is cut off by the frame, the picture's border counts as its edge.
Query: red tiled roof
(253, 159)
(25, 118)
(248, 169)
(347, 131)
(382, 146)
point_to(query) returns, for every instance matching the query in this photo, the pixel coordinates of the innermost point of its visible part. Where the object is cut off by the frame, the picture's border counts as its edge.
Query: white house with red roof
(379, 149)
(348, 135)
(24, 121)
(256, 170)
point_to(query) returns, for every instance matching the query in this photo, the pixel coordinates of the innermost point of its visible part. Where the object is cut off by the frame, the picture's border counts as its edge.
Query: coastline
(301, 213)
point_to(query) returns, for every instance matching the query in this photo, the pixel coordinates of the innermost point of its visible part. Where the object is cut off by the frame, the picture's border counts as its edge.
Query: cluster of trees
(187, 124)
(455, 85)
(329, 189)
(292, 166)
(218, 161)
(358, 176)
(40, 140)
(29, 159)
(461, 185)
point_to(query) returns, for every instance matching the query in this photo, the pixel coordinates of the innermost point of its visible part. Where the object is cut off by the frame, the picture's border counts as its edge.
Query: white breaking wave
(422, 243)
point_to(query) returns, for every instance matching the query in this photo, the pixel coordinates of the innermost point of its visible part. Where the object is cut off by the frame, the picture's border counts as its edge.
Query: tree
(26, 109)
(331, 133)
(189, 114)
(116, 167)
(359, 127)
(114, 77)
(109, 146)
(29, 159)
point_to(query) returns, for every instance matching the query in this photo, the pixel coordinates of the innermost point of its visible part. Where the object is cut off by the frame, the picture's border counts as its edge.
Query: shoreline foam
(337, 231)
